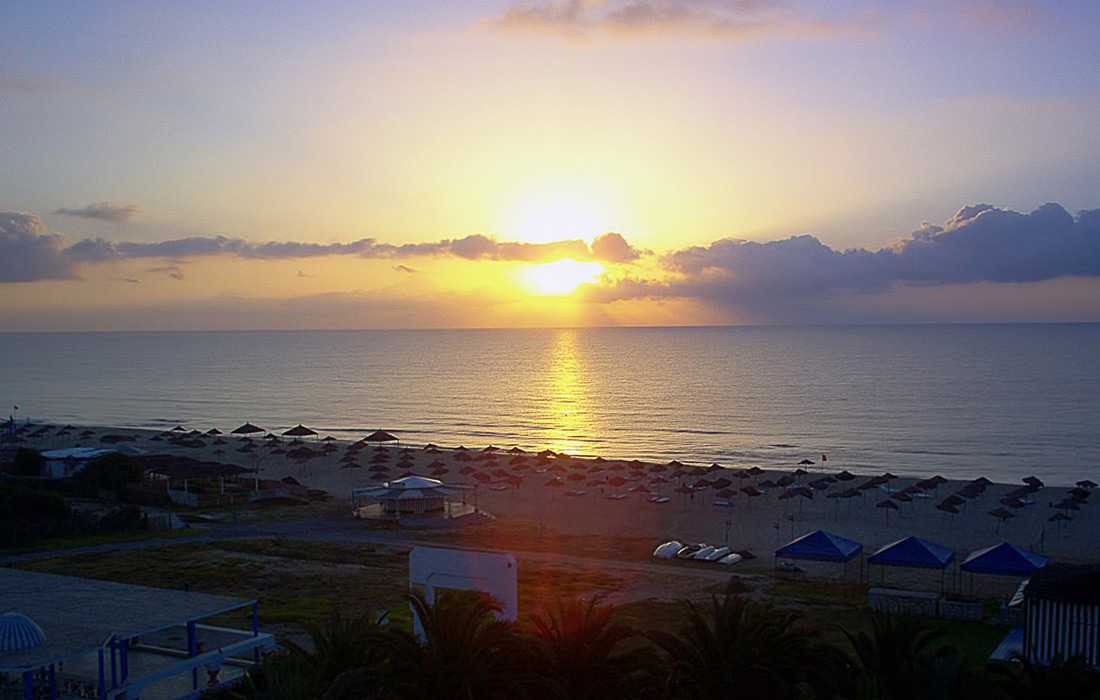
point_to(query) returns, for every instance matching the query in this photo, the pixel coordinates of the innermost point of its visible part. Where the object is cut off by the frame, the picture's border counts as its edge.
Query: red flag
(823, 458)
(16, 408)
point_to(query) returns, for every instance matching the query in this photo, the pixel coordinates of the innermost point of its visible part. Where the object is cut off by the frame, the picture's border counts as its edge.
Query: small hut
(410, 495)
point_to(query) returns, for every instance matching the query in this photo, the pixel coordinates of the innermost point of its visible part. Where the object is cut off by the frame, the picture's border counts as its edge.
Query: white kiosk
(465, 570)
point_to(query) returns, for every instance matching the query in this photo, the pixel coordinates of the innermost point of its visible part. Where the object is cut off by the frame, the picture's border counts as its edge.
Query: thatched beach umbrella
(554, 484)
(299, 431)
(888, 506)
(868, 485)
(380, 436)
(927, 484)
(247, 429)
(1001, 515)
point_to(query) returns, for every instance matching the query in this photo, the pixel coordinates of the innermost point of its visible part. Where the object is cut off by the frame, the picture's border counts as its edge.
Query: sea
(1001, 401)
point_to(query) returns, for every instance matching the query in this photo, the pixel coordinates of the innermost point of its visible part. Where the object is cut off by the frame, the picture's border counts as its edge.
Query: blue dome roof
(18, 632)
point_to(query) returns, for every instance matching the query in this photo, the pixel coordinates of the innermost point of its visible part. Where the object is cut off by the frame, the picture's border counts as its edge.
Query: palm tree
(279, 676)
(465, 653)
(342, 645)
(348, 662)
(584, 653)
(1061, 678)
(747, 650)
(902, 658)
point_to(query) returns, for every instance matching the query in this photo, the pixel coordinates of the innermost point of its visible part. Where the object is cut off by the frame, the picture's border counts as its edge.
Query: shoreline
(613, 504)
(347, 436)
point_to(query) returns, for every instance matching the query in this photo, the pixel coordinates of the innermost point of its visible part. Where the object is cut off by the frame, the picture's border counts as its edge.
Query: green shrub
(110, 472)
(26, 462)
(22, 504)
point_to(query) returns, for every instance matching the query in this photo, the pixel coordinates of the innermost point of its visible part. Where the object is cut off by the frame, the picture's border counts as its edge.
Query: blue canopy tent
(913, 552)
(1004, 559)
(820, 545)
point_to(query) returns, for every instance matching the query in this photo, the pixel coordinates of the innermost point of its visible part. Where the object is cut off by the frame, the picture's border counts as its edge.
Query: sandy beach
(704, 504)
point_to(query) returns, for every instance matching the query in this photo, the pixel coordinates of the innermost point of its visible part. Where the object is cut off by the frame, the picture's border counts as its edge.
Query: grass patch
(975, 640)
(328, 552)
(820, 592)
(306, 585)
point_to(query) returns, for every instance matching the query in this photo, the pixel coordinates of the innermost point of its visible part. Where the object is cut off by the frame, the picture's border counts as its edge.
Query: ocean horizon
(1000, 400)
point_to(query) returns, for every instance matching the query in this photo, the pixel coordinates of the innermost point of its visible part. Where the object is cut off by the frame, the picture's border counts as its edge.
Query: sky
(223, 165)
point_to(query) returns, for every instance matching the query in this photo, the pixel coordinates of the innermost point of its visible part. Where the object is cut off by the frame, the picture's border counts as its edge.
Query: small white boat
(616, 496)
(705, 552)
(689, 551)
(575, 492)
(731, 558)
(718, 553)
(668, 549)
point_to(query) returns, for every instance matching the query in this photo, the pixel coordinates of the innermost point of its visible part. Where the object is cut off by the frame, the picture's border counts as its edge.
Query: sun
(560, 277)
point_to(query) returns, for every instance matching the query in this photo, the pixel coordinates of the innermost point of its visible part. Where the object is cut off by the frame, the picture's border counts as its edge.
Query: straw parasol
(299, 431)
(381, 436)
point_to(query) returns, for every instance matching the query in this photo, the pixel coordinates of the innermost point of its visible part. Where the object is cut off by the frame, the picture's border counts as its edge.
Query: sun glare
(557, 211)
(561, 276)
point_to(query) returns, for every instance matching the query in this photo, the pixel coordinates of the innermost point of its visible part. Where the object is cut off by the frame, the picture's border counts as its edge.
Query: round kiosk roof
(18, 632)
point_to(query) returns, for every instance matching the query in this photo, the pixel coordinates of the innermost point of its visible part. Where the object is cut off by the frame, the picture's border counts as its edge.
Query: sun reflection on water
(566, 399)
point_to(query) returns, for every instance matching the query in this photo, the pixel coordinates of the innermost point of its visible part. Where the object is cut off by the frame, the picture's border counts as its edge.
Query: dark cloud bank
(980, 243)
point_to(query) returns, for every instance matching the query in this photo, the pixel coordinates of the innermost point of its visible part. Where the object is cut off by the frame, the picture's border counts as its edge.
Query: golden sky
(416, 164)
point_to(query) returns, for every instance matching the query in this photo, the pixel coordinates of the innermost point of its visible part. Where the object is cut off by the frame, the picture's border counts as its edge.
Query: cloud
(1016, 18)
(103, 211)
(173, 271)
(778, 279)
(612, 247)
(405, 268)
(724, 20)
(30, 252)
(472, 247)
